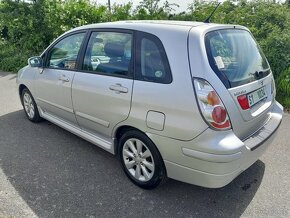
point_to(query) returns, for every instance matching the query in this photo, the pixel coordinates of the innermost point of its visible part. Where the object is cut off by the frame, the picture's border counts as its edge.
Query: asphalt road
(46, 171)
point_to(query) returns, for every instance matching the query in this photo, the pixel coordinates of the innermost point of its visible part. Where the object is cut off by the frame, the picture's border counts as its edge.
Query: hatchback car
(186, 100)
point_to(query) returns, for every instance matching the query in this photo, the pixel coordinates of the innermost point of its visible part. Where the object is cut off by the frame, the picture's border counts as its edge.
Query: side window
(108, 53)
(64, 54)
(152, 62)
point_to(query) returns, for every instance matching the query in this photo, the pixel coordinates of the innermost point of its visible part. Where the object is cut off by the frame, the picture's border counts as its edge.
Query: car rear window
(151, 60)
(235, 57)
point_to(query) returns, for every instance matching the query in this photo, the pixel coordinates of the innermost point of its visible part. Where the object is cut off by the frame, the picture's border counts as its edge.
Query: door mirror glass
(35, 62)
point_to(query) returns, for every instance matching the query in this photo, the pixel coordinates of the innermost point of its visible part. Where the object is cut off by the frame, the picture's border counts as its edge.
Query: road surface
(46, 171)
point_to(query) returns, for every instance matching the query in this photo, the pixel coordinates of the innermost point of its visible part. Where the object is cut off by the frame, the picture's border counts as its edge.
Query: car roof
(143, 25)
(153, 26)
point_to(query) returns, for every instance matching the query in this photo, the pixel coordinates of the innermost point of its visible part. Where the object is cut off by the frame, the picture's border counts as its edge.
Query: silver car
(186, 100)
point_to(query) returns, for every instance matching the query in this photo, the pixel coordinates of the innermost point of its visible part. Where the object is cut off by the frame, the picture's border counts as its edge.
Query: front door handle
(64, 78)
(118, 88)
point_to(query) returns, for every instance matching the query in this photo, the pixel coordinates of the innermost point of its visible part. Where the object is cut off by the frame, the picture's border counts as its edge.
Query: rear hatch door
(239, 64)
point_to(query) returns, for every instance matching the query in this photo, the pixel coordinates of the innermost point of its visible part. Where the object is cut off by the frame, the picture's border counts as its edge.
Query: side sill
(106, 144)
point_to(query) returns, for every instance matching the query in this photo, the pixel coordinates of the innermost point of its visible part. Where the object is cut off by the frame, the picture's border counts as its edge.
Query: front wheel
(140, 159)
(30, 106)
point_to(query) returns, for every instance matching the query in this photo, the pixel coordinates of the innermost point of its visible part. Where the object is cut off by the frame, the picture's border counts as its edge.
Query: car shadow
(13, 77)
(3, 74)
(60, 175)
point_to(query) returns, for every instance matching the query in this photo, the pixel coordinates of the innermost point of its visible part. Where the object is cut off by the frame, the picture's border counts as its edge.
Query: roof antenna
(207, 20)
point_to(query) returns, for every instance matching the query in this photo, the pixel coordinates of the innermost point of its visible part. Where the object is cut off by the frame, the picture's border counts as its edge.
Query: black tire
(35, 118)
(159, 172)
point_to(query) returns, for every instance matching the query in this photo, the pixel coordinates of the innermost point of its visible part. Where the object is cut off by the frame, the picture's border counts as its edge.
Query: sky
(183, 4)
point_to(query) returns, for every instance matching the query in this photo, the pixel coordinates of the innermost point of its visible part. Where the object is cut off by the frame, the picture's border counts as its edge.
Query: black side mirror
(35, 62)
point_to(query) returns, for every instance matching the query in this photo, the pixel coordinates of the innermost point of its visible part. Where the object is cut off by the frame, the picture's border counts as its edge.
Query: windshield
(235, 56)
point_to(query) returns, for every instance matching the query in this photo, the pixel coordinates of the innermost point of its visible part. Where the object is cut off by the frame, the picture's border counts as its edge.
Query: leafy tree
(28, 26)
(152, 9)
(268, 21)
(121, 12)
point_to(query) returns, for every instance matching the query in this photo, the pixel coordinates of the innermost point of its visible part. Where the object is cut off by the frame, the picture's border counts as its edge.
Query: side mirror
(35, 62)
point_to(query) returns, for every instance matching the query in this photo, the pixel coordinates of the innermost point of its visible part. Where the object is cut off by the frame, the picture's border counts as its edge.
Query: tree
(152, 9)
(121, 12)
(27, 27)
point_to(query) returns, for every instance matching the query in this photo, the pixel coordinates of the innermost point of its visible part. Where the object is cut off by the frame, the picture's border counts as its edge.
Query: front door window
(64, 54)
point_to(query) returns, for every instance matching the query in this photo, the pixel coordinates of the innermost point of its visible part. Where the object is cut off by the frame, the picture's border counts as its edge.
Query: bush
(283, 88)
(12, 58)
(27, 27)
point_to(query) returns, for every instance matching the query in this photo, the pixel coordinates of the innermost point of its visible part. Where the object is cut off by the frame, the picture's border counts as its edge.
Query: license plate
(256, 96)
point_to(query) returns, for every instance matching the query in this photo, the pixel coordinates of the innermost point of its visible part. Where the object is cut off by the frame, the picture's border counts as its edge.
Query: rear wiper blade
(260, 74)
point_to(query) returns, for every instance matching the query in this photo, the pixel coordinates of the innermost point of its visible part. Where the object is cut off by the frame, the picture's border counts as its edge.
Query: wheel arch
(20, 90)
(124, 128)
(118, 134)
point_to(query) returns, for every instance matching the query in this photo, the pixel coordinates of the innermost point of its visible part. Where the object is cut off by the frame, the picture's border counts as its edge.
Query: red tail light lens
(222, 126)
(219, 114)
(243, 101)
(211, 106)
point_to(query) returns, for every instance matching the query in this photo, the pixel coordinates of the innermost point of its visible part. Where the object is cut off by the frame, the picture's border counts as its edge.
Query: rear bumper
(215, 158)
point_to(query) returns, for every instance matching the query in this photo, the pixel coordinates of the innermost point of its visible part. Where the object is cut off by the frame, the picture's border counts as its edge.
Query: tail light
(243, 101)
(211, 106)
(273, 87)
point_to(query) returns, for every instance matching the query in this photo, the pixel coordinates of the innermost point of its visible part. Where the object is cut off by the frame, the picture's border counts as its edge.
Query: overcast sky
(182, 3)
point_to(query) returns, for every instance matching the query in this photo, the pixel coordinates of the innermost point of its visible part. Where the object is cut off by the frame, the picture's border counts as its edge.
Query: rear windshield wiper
(260, 74)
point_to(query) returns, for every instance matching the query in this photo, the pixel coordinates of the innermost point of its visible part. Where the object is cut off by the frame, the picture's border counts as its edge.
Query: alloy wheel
(28, 105)
(138, 159)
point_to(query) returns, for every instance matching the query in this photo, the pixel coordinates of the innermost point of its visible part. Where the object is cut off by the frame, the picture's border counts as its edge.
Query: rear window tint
(236, 57)
(152, 63)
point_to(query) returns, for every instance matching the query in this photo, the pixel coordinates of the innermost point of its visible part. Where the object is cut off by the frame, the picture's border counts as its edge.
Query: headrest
(113, 49)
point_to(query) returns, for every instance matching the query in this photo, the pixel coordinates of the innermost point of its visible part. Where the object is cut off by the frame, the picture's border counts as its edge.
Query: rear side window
(235, 57)
(152, 63)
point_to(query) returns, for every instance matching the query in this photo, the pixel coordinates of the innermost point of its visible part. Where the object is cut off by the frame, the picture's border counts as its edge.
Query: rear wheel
(30, 106)
(141, 160)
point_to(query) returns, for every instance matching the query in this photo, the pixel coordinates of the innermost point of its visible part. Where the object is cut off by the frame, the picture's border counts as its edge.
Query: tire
(140, 159)
(29, 106)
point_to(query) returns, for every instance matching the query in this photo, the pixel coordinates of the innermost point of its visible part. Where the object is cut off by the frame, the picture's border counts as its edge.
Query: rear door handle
(118, 88)
(64, 78)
